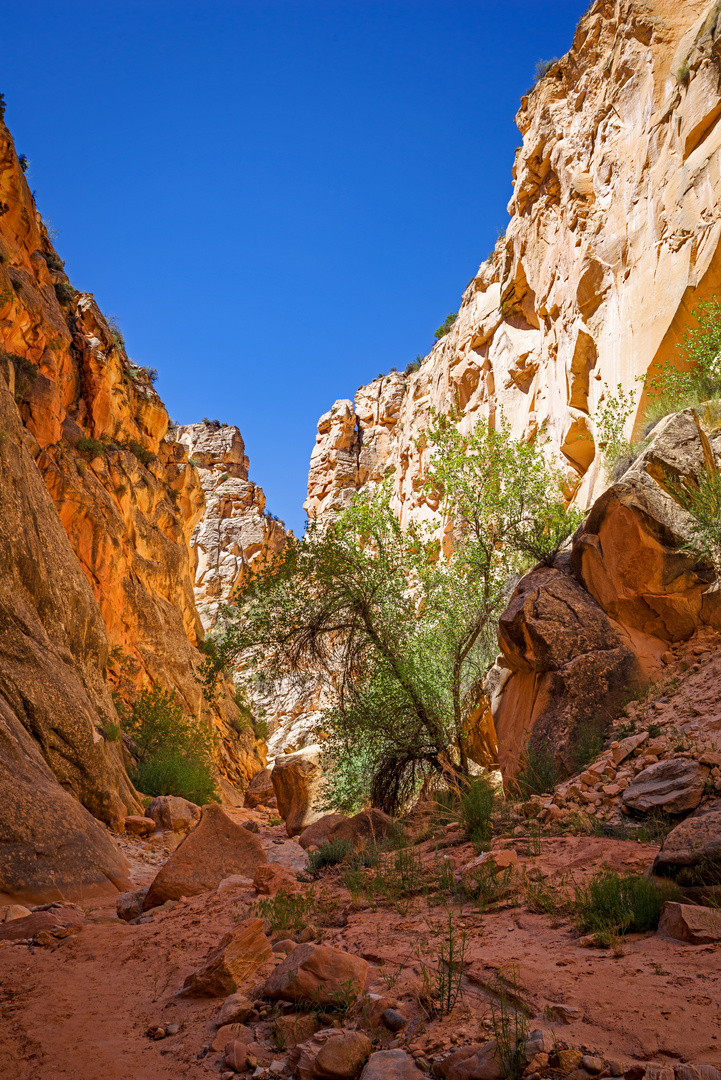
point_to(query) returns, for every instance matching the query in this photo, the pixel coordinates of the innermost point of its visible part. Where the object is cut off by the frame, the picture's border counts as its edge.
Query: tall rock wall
(613, 240)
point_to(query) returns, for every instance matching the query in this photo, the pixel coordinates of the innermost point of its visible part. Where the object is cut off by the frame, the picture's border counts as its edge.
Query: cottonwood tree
(399, 630)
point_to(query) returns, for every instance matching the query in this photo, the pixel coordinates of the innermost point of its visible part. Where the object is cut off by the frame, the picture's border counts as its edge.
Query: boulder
(259, 790)
(391, 1065)
(692, 848)
(674, 786)
(173, 814)
(474, 1062)
(136, 825)
(231, 1033)
(37, 922)
(317, 973)
(686, 922)
(366, 826)
(297, 779)
(236, 1009)
(343, 1058)
(272, 877)
(321, 831)
(216, 848)
(290, 1030)
(15, 911)
(129, 905)
(235, 959)
(236, 1056)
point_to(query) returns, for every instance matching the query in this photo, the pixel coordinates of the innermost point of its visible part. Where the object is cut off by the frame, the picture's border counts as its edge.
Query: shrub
(542, 69)
(64, 292)
(703, 503)
(115, 332)
(54, 261)
(285, 913)
(618, 452)
(509, 1023)
(261, 729)
(587, 743)
(414, 365)
(111, 731)
(445, 326)
(3, 106)
(328, 854)
(539, 774)
(669, 389)
(612, 904)
(25, 373)
(88, 445)
(144, 456)
(477, 800)
(173, 751)
(23, 162)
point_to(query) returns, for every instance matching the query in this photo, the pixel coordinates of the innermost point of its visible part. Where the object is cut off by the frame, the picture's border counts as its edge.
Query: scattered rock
(685, 922)
(15, 911)
(343, 1058)
(593, 1065)
(251, 826)
(31, 925)
(297, 780)
(138, 826)
(321, 831)
(129, 905)
(674, 786)
(173, 814)
(216, 848)
(365, 826)
(567, 1014)
(317, 973)
(272, 877)
(236, 1056)
(286, 945)
(393, 1020)
(259, 790)
(568, 1061)
(231, 1033)
(297, 1027)
(391, 1065)
(236, 1010)
(239, 954)
(696, 840)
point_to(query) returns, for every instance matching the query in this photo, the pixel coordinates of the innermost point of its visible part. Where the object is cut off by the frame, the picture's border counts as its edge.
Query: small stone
(393, 1020)
(159, 1033)
(139, 826)
(231, 1033)
(286, 945)
(686, 922)
(251, 826)
(569, 1060)
(593, 1065)
(567, 1014)
(238, 955)
(391, 1065)
(236, 1010)
(615, 1068)
(236, 1056)
(343, 1058)
(15, 911)
(172, 1029)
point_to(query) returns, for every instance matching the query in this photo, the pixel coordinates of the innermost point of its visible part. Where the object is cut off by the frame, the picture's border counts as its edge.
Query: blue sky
(279, 199)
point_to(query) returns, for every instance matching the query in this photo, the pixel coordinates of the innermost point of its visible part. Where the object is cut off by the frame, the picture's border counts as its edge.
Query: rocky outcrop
(298, 781)
(235, 530)
(613, 240)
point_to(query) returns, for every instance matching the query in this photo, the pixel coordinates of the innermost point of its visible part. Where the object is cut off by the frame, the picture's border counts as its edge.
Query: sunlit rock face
(235, 531)
(613, 240)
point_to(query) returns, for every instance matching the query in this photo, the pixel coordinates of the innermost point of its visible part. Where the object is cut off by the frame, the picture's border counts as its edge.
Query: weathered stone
(231, 1033)
(37, 922)
(297, 780)
(368, 825)
(130, 904)
(239, 954)
(343, 1058)
(270, 878)
(692, 849)
(259, 790)
(236, 1010)
(236, 1055)
(321, 831)
(173, 814)
(567, 1014)
(674, 786)
(593, 1065)
(474, 1062)
(295, 1028)
(393, 1020)
(686, 922)
(391, 1065)
(319, 974)
(138, 826)
(216, 848)
(15, 911)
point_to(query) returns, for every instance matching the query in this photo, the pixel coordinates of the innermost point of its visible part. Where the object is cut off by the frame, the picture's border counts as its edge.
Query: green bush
(328, 854)
(64, 292)
(542, 69)
(414, 365)
(670, 390)
(144, 456)
(612, 904)
(587, 743)
(703, 502)
(173, 751)
(54, 261)
(445, 326)
(540, 774)
(477, 800)
(88, 445)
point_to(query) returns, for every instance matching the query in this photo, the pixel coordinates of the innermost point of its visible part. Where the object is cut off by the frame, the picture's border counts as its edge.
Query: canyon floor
(90, 1003)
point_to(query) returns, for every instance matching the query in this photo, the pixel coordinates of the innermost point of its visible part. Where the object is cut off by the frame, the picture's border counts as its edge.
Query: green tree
(399, 631)
(670, 389)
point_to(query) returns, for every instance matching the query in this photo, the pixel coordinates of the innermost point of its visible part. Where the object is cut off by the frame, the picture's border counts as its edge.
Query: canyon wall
(613, 241)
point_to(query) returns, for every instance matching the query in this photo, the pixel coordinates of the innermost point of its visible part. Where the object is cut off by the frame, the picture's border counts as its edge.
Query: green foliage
(441, 984)
(328, 854)
(611, 904)
(542, 69)
(615, 410)
(703, 502)
(137, 372)
(539, 774)
(399, 633)
(111, 731)
(414, 365)
(88, 445)
(144, 456)
(261, 729)
(587, 743)
(173, 751)
(26, 372)
(285, 912)
(64, 292)
(3, 106)
(23, 162)
(509, 1023)
(669, 389)
(445, 326)
(477, 802)
(54, 261)
(115, 332)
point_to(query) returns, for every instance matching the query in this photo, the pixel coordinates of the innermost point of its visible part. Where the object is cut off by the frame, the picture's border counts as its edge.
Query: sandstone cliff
(613, 240)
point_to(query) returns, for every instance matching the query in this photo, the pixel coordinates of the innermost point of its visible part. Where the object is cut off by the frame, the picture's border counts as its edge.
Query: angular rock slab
(686, 922)
(173, 814)
(317, 973)
(239, 954)
(673, 786)
(297, 780)
(259, 790)
(216, 848)
(343, 1058)
(696, 840)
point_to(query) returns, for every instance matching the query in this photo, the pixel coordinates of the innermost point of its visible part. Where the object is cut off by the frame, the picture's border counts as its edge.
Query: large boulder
(260, 790)
(368, 825)
(319, 974)
(674, 786)
(689, 923)
(343, 1058)
(239, 954)
(297, 781)
(216, 848)
(321, 831)
(692, 849)
(173, 814)
(391, 1065)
